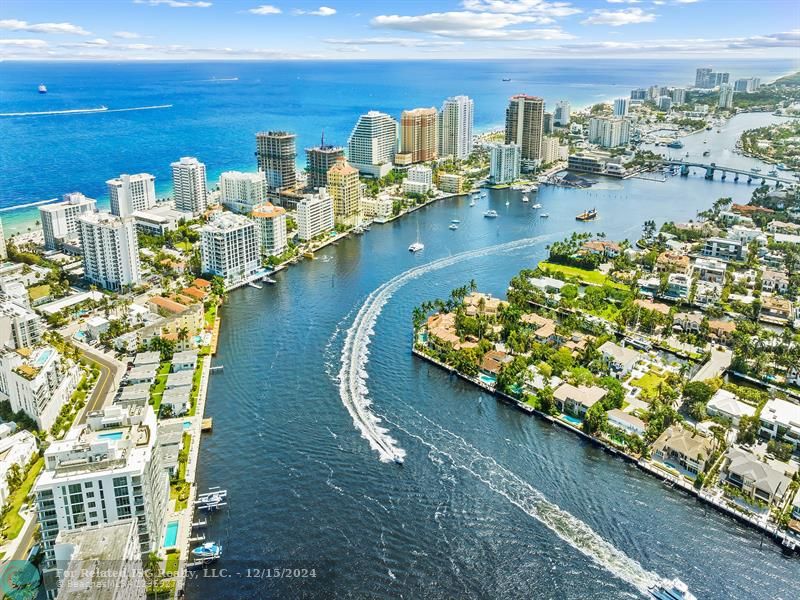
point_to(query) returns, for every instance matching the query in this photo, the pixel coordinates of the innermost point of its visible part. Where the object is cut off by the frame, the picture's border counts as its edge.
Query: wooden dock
(207, 424)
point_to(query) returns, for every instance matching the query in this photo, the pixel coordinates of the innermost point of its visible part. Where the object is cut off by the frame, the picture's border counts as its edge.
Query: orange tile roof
(167, 304)
(195, 293)
(201, 283)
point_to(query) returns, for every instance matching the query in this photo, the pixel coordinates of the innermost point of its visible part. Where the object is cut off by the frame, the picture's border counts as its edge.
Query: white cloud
(393, 41)
(23, 43)
(616, 18)
(97, 42)
(322, 11)
(175, 3)
(687, 1)
(16, 25)
(127, 35)
(624, 1)
(541, 8)
(265, 9)
(480, 26)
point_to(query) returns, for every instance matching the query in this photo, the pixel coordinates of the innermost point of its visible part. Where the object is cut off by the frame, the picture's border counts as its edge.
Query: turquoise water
(43, 357)
(114, 435)
(171, 535)
(217, 121)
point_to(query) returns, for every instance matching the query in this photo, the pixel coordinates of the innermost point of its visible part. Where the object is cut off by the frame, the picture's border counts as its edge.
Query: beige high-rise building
(418, 134)
(345, 189)
(525, 126)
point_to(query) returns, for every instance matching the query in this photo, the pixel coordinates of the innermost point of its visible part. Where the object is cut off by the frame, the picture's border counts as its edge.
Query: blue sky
(369, 29)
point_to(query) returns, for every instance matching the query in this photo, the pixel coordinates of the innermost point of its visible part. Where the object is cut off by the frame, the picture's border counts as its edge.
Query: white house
(725, 404)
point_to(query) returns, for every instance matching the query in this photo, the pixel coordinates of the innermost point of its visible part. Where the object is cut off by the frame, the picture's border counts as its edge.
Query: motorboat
(673, 589)
(587, 215)
(756, 170)
(773, 172)
(544, 216)
(537, 205)
(675, 144)
(526, 199)
(42, 88)
(472, 203)
(507, 202)
(453, 226)
(268, 279)
(416, 247)
(455, 221)
(398, 459)
(490, 214)
(208, 551)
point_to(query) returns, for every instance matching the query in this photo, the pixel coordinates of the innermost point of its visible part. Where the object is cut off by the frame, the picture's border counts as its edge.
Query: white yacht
(526, 199)
(507, 202)
(537, 205)
(544, 216)
(490, 214)
(673, 589)
(453, 226)
(418, 245)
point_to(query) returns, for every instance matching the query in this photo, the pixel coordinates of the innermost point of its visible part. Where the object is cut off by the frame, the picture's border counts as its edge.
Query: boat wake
(352, 378)
(450, 450)
(83, 111)
(28, 205)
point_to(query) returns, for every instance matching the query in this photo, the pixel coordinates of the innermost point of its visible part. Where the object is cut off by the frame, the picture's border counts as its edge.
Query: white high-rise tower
(455, 127)
(128, 193)
(189, 185)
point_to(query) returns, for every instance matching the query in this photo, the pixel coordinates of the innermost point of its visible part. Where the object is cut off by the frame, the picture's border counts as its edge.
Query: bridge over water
(712, 168)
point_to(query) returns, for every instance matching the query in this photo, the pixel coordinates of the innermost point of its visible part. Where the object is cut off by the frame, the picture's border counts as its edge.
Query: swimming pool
(114, 435)
(171, 534)
(572, 420)
(186, 425)
(43, 357)
(487, 379)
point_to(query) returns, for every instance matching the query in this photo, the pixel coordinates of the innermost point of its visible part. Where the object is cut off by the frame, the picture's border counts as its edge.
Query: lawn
(184, 246)
(211, 315)
(179, 489)
(173, 560)
(649, 383)
(161, 383)
(198, 373)
(13, 522)
(39, 291)
(587, 277)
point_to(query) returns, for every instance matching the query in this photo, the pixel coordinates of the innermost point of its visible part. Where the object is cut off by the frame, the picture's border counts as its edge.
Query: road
(716, 365)
(111, 371)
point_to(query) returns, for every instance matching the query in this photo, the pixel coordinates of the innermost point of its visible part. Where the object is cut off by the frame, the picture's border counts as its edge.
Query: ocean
(215, 109)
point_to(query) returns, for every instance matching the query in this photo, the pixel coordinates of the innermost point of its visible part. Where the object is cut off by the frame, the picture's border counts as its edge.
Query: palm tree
(183, 334)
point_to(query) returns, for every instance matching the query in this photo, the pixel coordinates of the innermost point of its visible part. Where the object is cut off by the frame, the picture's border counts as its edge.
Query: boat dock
(207, 424)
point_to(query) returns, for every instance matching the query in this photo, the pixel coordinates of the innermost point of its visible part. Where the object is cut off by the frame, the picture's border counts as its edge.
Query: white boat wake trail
(355, 353)
(449, 448)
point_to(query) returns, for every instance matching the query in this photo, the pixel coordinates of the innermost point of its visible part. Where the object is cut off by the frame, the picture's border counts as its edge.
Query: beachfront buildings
(609, 132)
(552, 150)
(419, 180)
(504, 163)
(344, 187)
(37, 381)
(110, 250)
(105, 471)
(747, 85)
(725, 96)
(60, 219)
(373, 144)
(315, 215)
(525, 127)
(455, 127)
(418, 136)
(561, 114)
(230, 248)
(129, 193)
(271, 223)
(319, 161)
(240, 192)
(276, 156)
(621, 107)
(677, 446)
(190, 190)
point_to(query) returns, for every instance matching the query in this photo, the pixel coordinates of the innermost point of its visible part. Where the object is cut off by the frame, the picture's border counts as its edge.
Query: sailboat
(416, 246)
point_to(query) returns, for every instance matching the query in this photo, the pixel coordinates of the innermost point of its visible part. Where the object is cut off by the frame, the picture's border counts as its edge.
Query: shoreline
(777, 536)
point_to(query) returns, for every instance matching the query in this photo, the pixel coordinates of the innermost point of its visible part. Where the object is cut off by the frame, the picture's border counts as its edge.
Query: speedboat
(42, 88)
(773, 172)
(526, 199)
(416, 247)
(756, 170)
(490, 214)
(782, 167)
(453, 226)
(507, 202)
(455, 221)
(673, 589)
(543, 216)
(537, 205)
(208, 551)
(398, 459)
(587, 215)
(268, 279)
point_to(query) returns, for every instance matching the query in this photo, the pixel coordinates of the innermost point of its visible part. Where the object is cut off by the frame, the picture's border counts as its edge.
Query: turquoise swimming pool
(572, 420)
(487, 379)
(171, 534)
(114, 435)
(186, 425)
(43, 357)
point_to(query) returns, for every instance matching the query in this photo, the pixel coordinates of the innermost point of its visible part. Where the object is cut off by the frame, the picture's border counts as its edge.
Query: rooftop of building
(268, 211)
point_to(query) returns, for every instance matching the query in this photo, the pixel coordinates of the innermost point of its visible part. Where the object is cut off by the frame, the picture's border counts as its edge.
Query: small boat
(418, 245)
(506, 79)
(455, 221)
(309, 255)
(773, 172)
(671, 590)
(782, 167)
(398, 459)
(208, 551)
(587, 215)
(490, 214)
(706, 153)
(675, 144)
(42, 88)
(507, 202)
(708, 128)
(537, 205)
(544, 216)
(472, 203)
(526, 199)
(268, 279)
(453, 226)
(756, 170)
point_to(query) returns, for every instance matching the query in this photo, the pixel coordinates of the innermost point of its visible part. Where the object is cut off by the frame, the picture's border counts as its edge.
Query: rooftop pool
(114, 435)
(171, 534)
